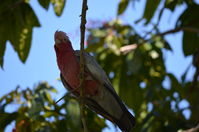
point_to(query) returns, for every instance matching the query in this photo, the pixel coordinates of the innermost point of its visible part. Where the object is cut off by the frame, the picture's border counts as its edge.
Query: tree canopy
(134, 62)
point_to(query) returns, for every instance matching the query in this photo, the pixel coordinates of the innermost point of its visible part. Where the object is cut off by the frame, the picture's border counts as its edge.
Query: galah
(99, 94)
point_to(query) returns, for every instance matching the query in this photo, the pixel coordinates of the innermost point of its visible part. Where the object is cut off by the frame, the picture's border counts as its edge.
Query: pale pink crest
(61, 36)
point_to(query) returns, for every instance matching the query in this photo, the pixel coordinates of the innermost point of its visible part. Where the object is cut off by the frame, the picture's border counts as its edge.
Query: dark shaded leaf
(96, 124)
(167, 46)
(189, 20)
(122, 6)
(6, 119)
(2, 50)
(44, 3)
(190, 38)
(183, 77)
(171, 4)
(92, 47)
(150, 8)
(190, 43)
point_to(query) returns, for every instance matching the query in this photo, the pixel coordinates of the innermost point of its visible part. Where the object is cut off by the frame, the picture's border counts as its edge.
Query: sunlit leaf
(48, 97)
(19, 23)
(98, 33)
(73, 109)
(58, 6)
(48, 114)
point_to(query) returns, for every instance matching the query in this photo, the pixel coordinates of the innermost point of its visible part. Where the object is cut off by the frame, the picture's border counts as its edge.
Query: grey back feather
(95, 69)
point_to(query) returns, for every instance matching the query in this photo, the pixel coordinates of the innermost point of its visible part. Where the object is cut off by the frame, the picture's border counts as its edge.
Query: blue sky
(41, 63)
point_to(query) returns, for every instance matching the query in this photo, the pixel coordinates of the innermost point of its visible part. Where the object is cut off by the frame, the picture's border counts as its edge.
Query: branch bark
(82, 35)
(195, 129)
(128, 48)
(189, 29)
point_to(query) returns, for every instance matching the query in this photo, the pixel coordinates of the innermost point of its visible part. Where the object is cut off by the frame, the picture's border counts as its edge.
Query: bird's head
(61, 40)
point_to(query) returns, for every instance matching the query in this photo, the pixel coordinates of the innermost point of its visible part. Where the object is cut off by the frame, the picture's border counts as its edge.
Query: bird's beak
(57, 41)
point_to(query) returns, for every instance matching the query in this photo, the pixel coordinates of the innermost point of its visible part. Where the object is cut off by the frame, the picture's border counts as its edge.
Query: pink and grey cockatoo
(99, 93)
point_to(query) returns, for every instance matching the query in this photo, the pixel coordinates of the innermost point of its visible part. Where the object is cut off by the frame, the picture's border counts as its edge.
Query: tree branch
(127, 48)
(195, 129)
(189, 29)
(82, 35)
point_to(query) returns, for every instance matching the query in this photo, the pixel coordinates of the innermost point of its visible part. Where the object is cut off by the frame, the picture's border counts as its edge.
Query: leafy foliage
(18, 20)
(150, 9)
(138, 77)
(190, 39)
(57, 4)
(37, 111)
(133, 61)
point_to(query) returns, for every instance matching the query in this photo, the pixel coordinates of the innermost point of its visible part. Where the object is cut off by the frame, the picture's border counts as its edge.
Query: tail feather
(126, 122)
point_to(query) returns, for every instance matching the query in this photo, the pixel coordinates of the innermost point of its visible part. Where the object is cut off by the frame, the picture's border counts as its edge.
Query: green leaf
(183, 77)
(150, 9)
(171, 4)
(3, 30)
(7, 118)
(44, 3)
(53, 90)
(190, 38)
(58, 6)
(18, 22)
(175, 85)
(2, 50)
(24, 36)
(93, 47)
(48, 97)
(122, 6)
(96, 124)
(190, 43)
(49, 114)
(167, 46)
(98, 33)
(130, 94)
(36, 107)
(189, 20)
(73, 111)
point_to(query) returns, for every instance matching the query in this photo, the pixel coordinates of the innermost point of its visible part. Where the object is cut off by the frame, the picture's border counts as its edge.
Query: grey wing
(108, 104)
(94, 68)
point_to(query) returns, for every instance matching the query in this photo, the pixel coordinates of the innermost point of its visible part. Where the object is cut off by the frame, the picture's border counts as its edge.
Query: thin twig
(158, 21)
(69, 95)
(129, 48)
(189, 29)
(82, 29)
